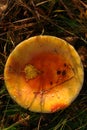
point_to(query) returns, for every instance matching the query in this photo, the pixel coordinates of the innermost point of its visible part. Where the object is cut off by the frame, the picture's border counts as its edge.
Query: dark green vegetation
(21, 19)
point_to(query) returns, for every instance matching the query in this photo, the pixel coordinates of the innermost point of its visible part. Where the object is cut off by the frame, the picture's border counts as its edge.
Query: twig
(67, 9)
(18, 122)
(49, 20)
(85, 5)
(43, 2)
(2, 121)
(41, 117)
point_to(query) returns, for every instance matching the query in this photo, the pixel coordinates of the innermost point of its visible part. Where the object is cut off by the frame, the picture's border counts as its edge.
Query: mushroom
(44, 74)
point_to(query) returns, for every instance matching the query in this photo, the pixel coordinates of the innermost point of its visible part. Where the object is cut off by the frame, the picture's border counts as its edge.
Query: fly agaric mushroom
(44, 74)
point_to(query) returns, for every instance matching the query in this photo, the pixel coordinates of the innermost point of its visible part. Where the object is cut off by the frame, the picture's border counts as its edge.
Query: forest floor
(21, 19)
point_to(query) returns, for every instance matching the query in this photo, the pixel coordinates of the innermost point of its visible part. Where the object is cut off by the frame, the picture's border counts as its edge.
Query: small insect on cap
(44, 74)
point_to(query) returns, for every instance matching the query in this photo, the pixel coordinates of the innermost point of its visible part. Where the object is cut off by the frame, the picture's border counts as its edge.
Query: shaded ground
(21, 19)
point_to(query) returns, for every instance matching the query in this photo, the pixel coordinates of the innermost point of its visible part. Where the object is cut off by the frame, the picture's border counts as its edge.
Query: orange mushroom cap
(44, 74)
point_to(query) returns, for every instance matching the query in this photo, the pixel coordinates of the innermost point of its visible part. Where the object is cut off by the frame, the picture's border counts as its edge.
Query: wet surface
(55, 71)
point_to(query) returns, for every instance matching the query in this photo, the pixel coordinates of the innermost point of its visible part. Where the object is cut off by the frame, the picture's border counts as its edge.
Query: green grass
(23, 19)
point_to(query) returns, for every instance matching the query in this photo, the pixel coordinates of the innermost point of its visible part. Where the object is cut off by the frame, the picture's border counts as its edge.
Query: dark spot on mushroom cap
(51, 82)
(64, 72)
(65, 64)
(58, 72)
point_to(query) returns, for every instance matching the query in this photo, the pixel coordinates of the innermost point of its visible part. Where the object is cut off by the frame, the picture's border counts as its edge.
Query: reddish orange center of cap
(49, 70)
